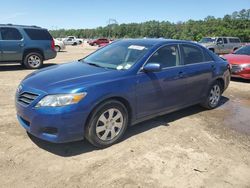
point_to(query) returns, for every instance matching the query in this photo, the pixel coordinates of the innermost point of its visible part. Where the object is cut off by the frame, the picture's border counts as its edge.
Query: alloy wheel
(34, 61)
(109, 124)
(215, 95)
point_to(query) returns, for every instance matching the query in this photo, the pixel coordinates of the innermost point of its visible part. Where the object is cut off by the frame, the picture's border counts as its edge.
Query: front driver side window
(167, 56)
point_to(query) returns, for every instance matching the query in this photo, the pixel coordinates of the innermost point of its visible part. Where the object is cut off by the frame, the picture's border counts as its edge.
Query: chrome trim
(180, 65)
(19, 95)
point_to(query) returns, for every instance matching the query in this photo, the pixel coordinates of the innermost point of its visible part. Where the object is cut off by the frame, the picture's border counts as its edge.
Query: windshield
(207, 40)
(118, 55)
(245, 50)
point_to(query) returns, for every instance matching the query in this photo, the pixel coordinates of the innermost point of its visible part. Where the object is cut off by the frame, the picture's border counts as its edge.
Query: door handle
(180, 74)
(21, 44)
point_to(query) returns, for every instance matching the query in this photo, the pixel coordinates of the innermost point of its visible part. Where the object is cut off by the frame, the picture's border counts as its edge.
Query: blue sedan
(122, 84)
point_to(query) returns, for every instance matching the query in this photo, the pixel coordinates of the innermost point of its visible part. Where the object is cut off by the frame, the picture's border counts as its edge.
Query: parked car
(79, 41)
(240, 62)
(59, 45)
(221, 45)
(29, 45)
(72, 40)
(124, 83)
(98, 42)
(103, 44)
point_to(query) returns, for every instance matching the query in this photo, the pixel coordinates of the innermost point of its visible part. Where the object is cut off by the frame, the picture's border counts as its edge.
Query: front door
(12, 44)
(163, 90)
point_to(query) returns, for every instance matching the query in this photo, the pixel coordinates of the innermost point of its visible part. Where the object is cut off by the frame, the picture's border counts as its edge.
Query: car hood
(237, 58)
(68, 76)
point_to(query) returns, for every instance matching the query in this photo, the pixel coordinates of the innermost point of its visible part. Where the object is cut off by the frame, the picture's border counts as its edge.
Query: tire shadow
(81, 147)
(240, 80)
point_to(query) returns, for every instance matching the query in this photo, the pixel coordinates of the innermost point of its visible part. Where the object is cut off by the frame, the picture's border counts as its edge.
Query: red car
(98, 42)
(240, 62)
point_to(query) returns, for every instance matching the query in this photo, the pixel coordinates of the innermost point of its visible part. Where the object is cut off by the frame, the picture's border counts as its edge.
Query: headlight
(245, 66)
(60, 100)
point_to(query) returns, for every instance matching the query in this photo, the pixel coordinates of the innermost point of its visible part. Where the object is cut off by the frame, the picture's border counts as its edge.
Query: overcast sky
(55, 14)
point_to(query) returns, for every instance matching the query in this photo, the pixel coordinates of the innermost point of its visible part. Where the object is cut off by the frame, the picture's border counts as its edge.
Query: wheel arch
(120, 99)
(30, 50)
(212, 49)
(221, 81)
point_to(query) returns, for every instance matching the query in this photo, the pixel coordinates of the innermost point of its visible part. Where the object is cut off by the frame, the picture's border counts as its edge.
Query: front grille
(26, 98)
(236, 68)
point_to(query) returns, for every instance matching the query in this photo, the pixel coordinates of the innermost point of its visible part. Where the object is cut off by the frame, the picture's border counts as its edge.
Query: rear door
(199, 67)
(12, 44)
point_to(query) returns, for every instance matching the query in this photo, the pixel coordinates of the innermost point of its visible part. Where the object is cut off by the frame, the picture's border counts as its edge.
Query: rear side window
(38, 34)
(10, 34)
(207, 57)
(192, 54)
(234, 40)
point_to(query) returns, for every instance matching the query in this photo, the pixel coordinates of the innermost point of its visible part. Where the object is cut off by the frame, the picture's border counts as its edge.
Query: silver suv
(221, 45)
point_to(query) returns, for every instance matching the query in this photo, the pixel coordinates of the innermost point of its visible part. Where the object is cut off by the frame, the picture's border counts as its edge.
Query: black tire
(208, 102)
(95, 137)
(57, 48)
(211, 49)
(38, 60)
(74, 44)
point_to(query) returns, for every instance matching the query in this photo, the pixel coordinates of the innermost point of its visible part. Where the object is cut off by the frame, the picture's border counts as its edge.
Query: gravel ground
(189, 148)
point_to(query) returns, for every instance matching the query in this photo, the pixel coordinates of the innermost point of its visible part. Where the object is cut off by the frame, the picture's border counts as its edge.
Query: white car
(72, 40)
(59, 45)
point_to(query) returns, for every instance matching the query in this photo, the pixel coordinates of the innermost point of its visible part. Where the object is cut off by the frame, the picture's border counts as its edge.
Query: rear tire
(213, 96)
(57, 48)
(107, 124)
(33, 60)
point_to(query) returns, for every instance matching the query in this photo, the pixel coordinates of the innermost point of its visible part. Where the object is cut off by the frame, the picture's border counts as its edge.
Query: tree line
(236, 24)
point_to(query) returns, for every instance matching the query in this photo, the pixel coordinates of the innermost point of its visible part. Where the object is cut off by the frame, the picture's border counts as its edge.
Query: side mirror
(152, 67)
(219, 42)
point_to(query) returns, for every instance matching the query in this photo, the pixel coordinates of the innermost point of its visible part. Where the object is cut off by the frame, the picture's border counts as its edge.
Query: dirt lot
(188, 148)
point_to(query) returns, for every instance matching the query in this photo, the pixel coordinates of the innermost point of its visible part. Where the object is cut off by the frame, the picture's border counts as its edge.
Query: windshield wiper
(93, 64)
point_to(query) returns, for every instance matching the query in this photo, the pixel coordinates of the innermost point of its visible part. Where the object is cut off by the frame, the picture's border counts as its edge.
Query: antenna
(111, 22)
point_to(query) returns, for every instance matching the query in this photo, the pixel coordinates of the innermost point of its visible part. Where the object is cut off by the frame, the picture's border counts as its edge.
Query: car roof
(221, 37)
(160, 41)
(21, 26)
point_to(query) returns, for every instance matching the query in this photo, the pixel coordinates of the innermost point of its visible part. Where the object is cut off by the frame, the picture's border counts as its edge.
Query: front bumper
(53, 124)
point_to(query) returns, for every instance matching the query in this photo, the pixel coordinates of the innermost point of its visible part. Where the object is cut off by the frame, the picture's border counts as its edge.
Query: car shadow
(240, 80)
(18, 67)
(80, 147)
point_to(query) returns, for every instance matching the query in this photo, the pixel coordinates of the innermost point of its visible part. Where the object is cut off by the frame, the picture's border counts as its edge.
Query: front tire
(213, 97)
(33, 60)
(107, 124)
